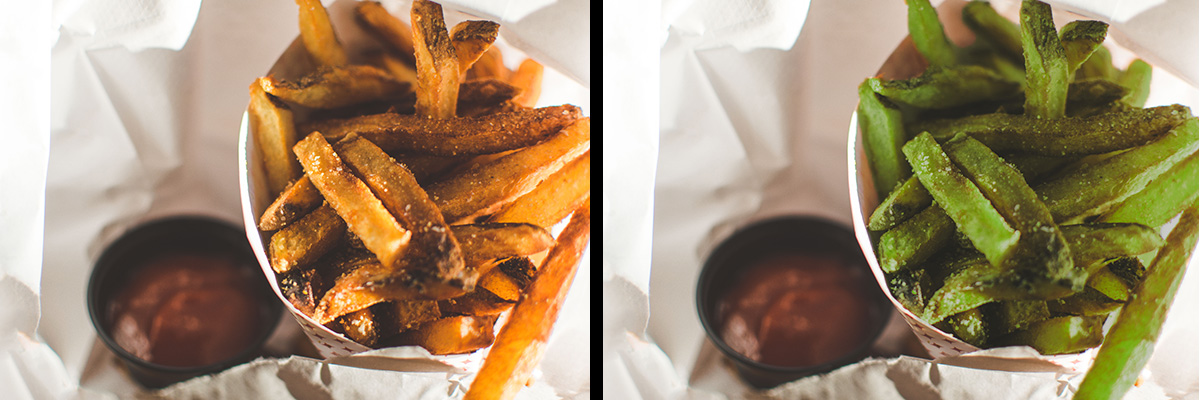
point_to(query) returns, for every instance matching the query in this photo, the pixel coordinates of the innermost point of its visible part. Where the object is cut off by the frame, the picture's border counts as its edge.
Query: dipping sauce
(796, 310)
(187, 309)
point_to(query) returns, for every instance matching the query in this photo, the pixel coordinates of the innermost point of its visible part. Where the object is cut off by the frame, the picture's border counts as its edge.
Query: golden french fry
(471, 39)
(298, 199)
(454, 136)
(528, 77)
(274, 132)
(477, 95)
(401, 70)
(522, 340)
(437, 64)
(483, 189)
(364, 214)
(501, 285)
(452, 335)
(360, 326)
(490, 65)
(386, 27)
(372, 283)
(491, 241)
(337, 87)
(478, 302)
(317, 33)
(306, 240)
(433, 249)
(404, 315)
(554, 198)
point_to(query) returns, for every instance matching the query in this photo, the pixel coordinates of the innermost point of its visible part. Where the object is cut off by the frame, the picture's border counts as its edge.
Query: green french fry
(1011, 315)
(1099, 65)
(970, 327)
(987, 24)
(1137, 79)
(1094, 189)
(1004, 133)
(1046, 69)
(1131, 339)
(928, 35)
(961, 199)
(1129, 269)
(959, 293)
(910, 287)
(882, 127)
(1061, 335)
(1109, 284)
(1089, 92)
(1041, 243)
(1089, 302)
(905, 201)
(1162, 199)
(914, 240)
(944, 87)
(950, 260)
(1092, 243)
(1079, 40)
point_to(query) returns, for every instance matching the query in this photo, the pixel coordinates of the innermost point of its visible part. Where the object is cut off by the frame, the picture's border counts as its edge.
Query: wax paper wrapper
(146, 103)
(750, 132)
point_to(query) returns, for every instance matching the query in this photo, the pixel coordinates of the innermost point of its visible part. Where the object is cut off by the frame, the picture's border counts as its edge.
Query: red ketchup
(795, 310)
(187, 310)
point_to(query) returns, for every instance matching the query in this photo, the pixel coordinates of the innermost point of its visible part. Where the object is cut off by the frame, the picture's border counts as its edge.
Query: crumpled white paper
(144, 103)
(753, 125)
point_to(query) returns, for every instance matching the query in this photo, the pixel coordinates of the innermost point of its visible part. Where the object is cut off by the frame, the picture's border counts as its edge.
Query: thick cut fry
(961, 199)
(274, 132)
(994, 28)
(928, 35)
(490, 65)
(452, 335)
(372, 283)
(554, 198)
(317, 33)
(478, 302)
(1046, 66)
(433, 249)
(302, 288)
(908, 199)
(364, 214)
(306, 240)
(1061, 335)
(1079, 40)
(360, 327)
(337, 87)
(882, 126)
(455, 136)
(471, 39)
(521, 342)
(386, 27)
(1137, 78)
(528, 77)
(501, 285)
(408, 314)
(915, 240)
(1132, 337)
(970, 326)
(297, 200)
(490, 241)
(485, 188)
(437, 64)
(944, 87)
(1162, 199)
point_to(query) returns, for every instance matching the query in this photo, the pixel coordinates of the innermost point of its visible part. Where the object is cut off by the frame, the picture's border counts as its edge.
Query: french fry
(471, 39)
(337, 87)
(306, 240)
(401, 70)
(491, 241)
(452, 335)
(437, 64)
(528, 77)
(501, 285)
(433, 248)
(364, 214)
(404, 315)
(522, 340)
(552, 199)
(275, 132)
(372, 283)
(386, 27)
(478, 302)
(485, 188)
(454, 136)
(302, 288)
(317, 33)
(298, 199)
(360, 326)
(490, 65)
(484, 93)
